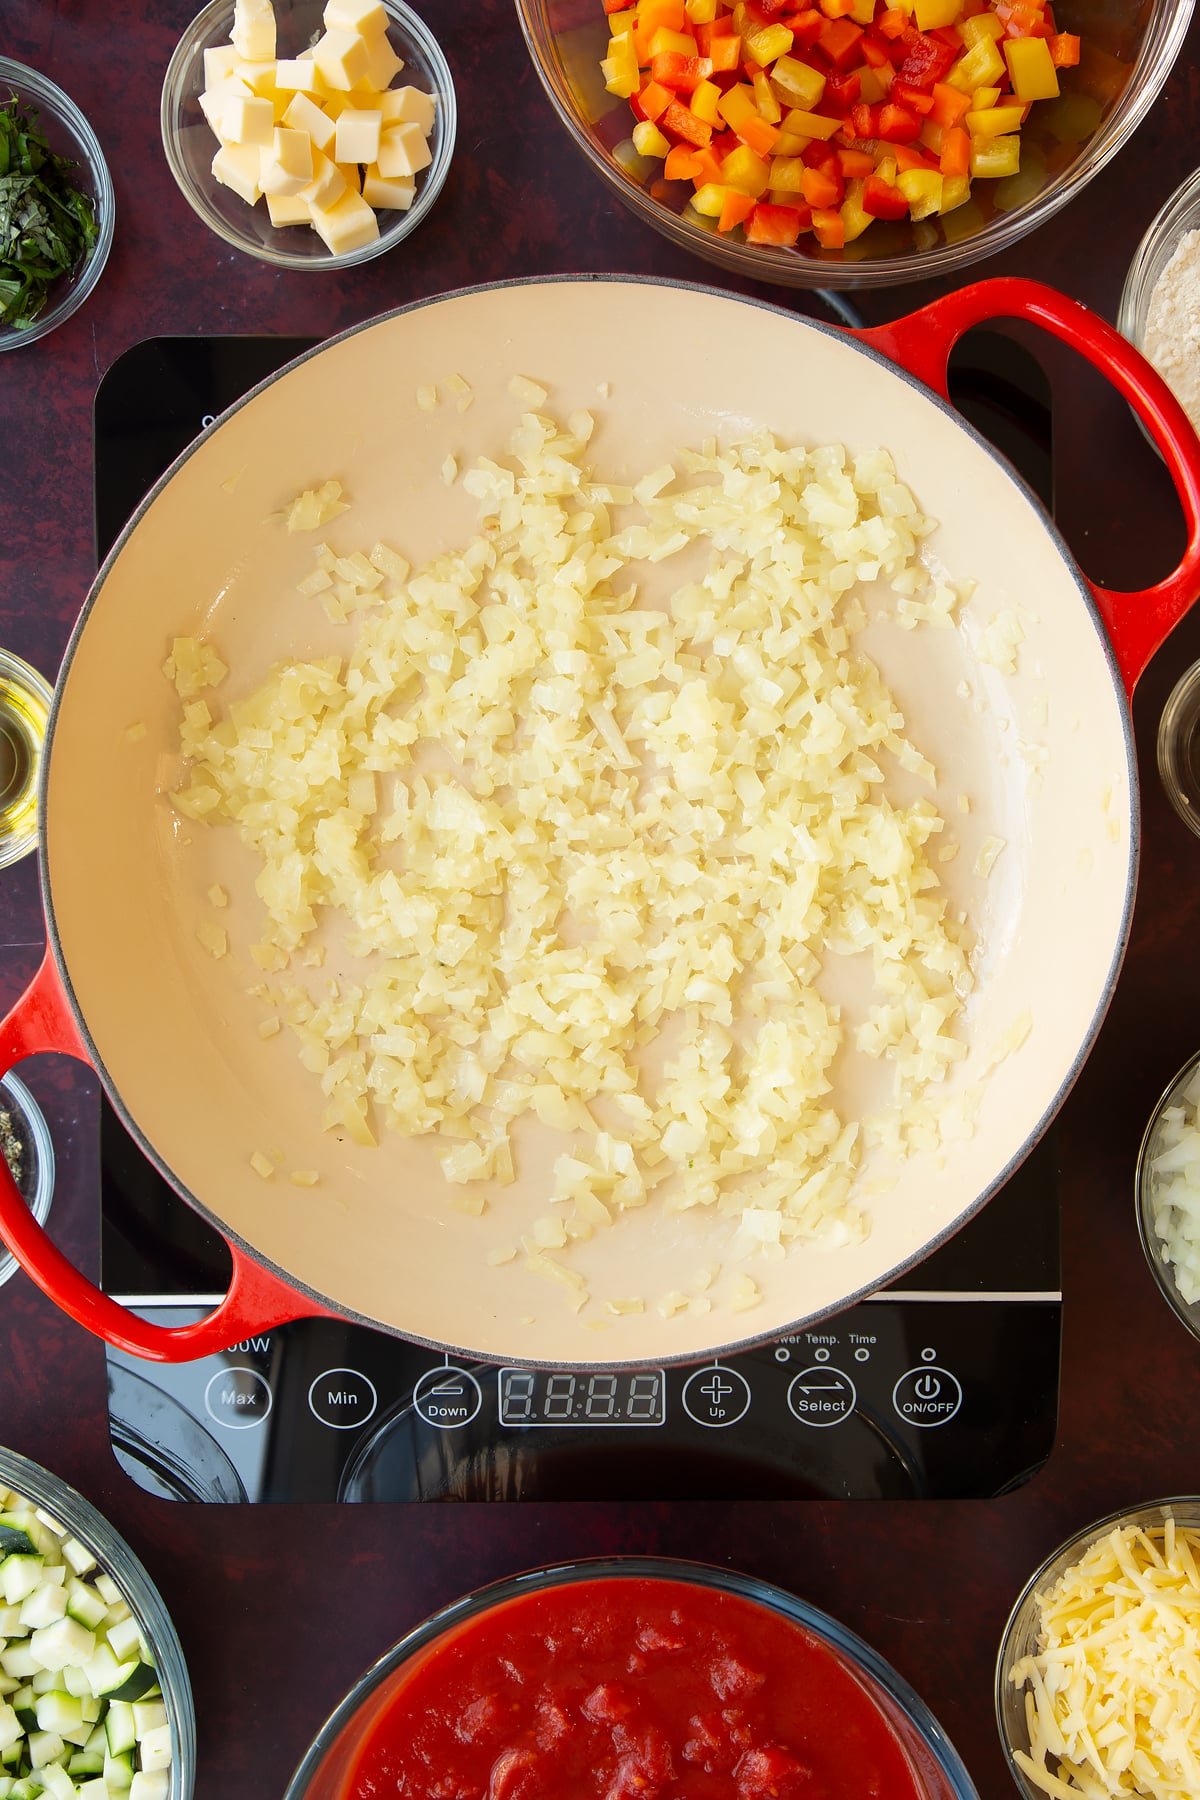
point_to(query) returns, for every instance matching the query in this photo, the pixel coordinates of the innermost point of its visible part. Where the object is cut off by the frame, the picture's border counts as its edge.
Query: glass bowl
(190, 145)
(1020, 1633)
(1188, 1078)
(143, 1598)
(69, 134)
(1128, 53)
(936, 1768)
(35, 1182)
(1180, 215)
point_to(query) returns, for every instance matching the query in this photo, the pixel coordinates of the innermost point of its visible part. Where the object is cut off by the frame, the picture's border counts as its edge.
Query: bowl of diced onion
(1094, 1695)
(254, 145)
(95, 1702)
(1167, 1188)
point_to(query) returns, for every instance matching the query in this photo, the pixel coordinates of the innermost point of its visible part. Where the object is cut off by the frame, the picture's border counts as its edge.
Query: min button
(342, 1399)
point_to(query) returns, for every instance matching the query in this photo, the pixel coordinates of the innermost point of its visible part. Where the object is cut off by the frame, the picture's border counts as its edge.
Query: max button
(342, 1399)
(927, 1396)
(238, 1398)
(716, 1396)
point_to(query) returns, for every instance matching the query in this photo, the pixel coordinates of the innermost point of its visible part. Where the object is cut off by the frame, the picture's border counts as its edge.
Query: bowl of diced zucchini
(95, 1702)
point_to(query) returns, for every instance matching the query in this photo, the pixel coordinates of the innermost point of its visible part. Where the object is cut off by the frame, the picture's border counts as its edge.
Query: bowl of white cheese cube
(310, 135)
(95, 1702)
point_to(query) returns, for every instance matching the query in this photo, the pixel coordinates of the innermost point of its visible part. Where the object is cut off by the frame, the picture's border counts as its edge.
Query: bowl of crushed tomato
(850, 143)
(631, 1679)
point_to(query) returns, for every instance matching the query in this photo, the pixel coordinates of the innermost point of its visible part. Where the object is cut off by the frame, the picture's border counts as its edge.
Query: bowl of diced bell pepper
(850, 143)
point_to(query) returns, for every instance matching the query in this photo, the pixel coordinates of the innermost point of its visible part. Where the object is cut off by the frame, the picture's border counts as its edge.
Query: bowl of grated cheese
(1095, 1679)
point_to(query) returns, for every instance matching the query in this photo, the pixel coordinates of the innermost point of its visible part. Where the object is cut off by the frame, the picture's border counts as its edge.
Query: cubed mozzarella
(403, 150)
(237, 166)
(357, 135)
(342, 58)
(394, 195)
(349, 224)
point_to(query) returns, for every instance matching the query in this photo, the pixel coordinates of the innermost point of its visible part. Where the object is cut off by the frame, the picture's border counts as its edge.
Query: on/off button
(927, 1396)
(342, 1399)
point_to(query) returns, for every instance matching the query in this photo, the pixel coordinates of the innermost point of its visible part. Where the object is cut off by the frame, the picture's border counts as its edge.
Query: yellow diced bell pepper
(665, 40)
(620, 23)
(768, 106)
(931, 14)
(983, 25)
(709, 199)
(862, 11)
(992, 158)
(704, 101)
(765, 45)
(955, 189)
(799, 123)
(922, 188)
(748, 173)
(736, 105)
(984, 97)
(786, 172)
(982, 66)
(799, 84)
(787, 144)
(701, 12)
(886, 167)
(994, 121)
(620, 67)
(854, 219)
(648, 140)
(1031, 67)
(871, 88)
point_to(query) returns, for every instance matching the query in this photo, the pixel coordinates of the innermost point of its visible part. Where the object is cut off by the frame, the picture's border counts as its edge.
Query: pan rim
(238, 1244)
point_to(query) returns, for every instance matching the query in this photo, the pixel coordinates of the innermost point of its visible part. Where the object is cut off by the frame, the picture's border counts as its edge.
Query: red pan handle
(1138, 622)
(256, 1300)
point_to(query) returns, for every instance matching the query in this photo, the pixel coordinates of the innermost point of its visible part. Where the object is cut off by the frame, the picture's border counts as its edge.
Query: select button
(342, 1399)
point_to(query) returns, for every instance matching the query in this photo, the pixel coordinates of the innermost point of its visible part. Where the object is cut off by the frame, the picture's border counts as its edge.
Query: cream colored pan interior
(1043, 754)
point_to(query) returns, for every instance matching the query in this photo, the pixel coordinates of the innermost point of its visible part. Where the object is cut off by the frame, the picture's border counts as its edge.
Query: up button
(927, 1396)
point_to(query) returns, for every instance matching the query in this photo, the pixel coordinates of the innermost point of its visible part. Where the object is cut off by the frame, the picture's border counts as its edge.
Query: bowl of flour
(1160, 304)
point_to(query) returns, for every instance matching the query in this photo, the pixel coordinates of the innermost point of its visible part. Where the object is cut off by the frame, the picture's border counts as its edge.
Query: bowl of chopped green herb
(56, 206)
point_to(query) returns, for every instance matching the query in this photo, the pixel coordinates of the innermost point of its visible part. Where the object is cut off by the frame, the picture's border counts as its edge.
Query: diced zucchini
(45, 1747)
(44, 1680)
(20, 1661)
(118, 1772)
(19, 1575)
(105, 1583)
(136, 1680)
(65, 1642)
(6, 1782)
(43, 1607)
(152, 1785)
(85, 1762)
(9, 1621)
(8, 1685)
(154, 1750)
(74, 1679)
(51, 1524)
(28, 1788)
(78, 1557)
(85, 1604)
(148, 1715)
(119, 1729)
(124, 1639)
(11, 1729)
(98, 1742)
(92, 1708)
(92, 1790)
(15, 1541)
(56, 1783)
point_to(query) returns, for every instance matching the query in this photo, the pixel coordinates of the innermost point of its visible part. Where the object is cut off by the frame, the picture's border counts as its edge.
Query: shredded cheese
(1113, 1689)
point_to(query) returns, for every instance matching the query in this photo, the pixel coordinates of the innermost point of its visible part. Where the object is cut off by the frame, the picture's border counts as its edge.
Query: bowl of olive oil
(24, 711)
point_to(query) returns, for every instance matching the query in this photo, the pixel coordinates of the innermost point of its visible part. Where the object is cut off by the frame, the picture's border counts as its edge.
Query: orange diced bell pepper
(949, 105)
(680, 164)
(682, 122)
(725, 53)
(830, 229)
(1064, 50)
(735, 208)
(955, 158)
(683, 73)
(654, 99)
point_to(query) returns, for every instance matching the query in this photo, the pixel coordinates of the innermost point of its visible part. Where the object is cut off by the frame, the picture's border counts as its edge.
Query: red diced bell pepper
(874, 53)
(779, 225)
(820, 155)
(842, 92)
(898, 124)
(839, 41)
(882, 200)
(865, 121)
(926, 59)
(905, 94)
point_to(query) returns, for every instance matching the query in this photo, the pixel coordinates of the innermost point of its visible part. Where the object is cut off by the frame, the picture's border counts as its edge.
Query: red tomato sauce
(631, 1689)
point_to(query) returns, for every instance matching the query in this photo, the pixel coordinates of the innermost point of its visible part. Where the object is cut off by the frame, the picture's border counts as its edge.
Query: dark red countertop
(280, 1608)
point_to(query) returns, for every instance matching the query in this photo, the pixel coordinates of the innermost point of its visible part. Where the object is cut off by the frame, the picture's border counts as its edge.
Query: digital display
(544, 1397)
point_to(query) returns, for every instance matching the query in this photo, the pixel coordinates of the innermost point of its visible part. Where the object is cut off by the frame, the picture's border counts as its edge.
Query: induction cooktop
(943, 1385)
